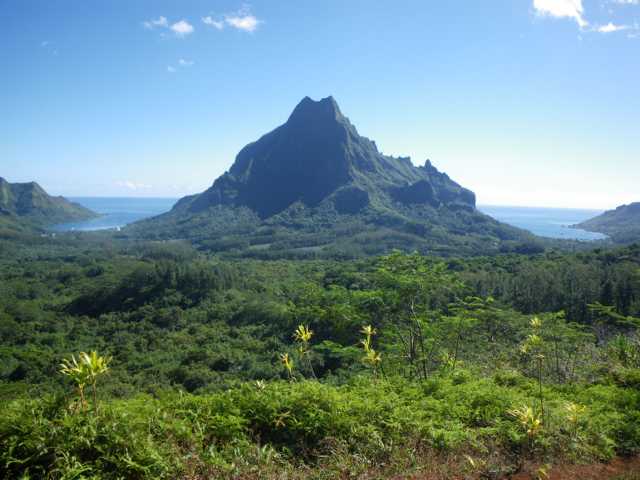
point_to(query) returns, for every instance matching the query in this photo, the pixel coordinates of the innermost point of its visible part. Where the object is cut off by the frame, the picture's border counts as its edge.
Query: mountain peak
(314, 184)
(309, 110)
(317, 157)
(35, 186)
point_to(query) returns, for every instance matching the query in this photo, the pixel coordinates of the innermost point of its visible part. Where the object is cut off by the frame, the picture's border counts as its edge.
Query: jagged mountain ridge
(314, 183)
(28, 204)
(318, 155)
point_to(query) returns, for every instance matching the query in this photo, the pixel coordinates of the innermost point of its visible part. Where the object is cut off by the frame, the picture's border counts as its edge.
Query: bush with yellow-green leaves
(281, 425)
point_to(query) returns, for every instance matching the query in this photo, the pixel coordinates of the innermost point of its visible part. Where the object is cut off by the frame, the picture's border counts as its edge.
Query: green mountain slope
(314, 185)
(621, 224)
(25, 206)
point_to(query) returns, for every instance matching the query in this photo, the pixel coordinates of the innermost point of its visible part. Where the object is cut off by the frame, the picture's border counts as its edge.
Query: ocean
(116, 212)
(546, 222)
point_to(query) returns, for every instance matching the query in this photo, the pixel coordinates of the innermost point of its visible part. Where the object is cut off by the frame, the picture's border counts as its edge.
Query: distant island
(315, 185)
(27, 207)
(622, 225)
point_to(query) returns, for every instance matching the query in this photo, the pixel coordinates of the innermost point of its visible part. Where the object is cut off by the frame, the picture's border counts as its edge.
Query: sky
(525, 102)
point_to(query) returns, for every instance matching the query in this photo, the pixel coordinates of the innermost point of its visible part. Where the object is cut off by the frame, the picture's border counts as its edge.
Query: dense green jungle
(204, 366)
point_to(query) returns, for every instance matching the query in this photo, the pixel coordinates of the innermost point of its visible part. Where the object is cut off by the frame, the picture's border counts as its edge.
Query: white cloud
(133, 185)
(562, 9)
(185, 63)
(171, 69)
(158, 22)
(242, 20)
(610, 27)
(248, 23)
(218, 24)
(182, 28)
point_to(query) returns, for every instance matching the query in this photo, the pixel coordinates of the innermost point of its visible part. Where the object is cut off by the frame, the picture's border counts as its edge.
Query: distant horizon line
(602, 209)
(480, 205)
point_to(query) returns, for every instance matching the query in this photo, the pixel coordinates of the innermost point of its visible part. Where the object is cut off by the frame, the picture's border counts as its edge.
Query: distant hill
(314, 185)
(25, 206)
(622, 225)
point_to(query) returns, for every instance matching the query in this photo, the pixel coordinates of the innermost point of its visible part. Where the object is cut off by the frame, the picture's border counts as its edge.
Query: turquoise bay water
(116, 212)
(546, 222)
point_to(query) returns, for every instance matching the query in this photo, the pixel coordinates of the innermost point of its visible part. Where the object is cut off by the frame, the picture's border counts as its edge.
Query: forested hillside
(249, 368)
(621, 224)
(26, 206)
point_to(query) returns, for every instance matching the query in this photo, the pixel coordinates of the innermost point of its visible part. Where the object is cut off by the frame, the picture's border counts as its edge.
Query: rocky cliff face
(318, 156)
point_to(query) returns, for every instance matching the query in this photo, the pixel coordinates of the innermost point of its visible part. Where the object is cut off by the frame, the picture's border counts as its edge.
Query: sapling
(86, 370)
(287, 361)
(96, 365)
(78, 374)
(371, 357)
(530, 422)
(574, 415)
(534, 346)
(303, 336)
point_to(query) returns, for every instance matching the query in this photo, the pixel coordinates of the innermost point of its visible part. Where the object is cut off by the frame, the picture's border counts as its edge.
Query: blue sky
(526, 102)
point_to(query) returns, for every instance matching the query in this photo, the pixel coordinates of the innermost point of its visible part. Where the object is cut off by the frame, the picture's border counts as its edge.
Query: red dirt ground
(617, 469)
(627, 469)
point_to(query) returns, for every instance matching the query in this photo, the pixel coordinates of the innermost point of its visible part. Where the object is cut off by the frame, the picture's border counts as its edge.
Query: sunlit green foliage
(371, 357)
(86, 370)
(441, 338)
(181, 435)
(303, 336)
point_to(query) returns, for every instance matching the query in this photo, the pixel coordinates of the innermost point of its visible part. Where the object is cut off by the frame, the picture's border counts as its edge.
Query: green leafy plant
(534, 346)
(371, 357)
(574, 415)
(625, 351)
(543, 472)
(78, 373)
(288, 364)
(85, 371)
(410, 286)
(303, 336)
(462, 322)
(530, 422)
